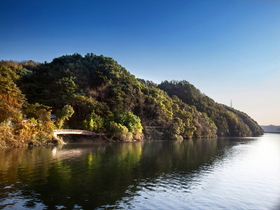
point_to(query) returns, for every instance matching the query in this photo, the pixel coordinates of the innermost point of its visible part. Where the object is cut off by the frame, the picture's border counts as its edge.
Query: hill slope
(105, 97)
(229, 121)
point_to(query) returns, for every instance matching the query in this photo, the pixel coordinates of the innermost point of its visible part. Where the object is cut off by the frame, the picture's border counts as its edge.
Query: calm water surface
(223, 173)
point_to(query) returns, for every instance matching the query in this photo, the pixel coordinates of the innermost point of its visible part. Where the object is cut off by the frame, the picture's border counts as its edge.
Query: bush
(117, 131)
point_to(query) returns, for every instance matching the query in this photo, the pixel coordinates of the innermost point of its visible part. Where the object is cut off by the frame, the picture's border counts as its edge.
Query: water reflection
(110, 175)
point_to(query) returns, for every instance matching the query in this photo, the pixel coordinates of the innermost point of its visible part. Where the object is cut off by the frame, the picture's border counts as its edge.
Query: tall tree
(11, 98)
(63, 115)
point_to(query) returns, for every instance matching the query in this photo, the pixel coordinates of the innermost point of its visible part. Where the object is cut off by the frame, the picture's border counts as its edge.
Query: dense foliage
(230, 122)
(96, 93)
(21, 123)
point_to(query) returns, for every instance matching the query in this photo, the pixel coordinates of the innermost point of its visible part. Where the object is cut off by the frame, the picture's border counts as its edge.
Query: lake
(218, 173)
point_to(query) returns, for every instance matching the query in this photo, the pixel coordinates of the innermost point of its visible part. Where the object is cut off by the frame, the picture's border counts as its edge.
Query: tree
(11, 98)
(66, 112)
(93, 122)
(120, 132)
(131, 122)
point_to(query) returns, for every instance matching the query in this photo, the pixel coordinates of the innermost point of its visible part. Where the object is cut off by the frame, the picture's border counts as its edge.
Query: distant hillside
(229, 121)
(102, 96)
(271, 128)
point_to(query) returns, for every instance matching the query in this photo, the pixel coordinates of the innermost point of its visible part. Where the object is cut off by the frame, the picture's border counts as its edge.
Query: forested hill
(96, 93)
(229, 121)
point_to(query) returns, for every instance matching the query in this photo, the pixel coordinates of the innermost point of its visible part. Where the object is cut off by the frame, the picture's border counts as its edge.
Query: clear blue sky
(229, 49)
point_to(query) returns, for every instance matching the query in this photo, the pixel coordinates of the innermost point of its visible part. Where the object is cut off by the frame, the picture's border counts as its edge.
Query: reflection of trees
(94, 175)
(88, 175)
(97, 178)
(170, 156)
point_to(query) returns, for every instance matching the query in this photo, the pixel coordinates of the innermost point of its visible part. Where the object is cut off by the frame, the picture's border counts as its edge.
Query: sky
(228, 49)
